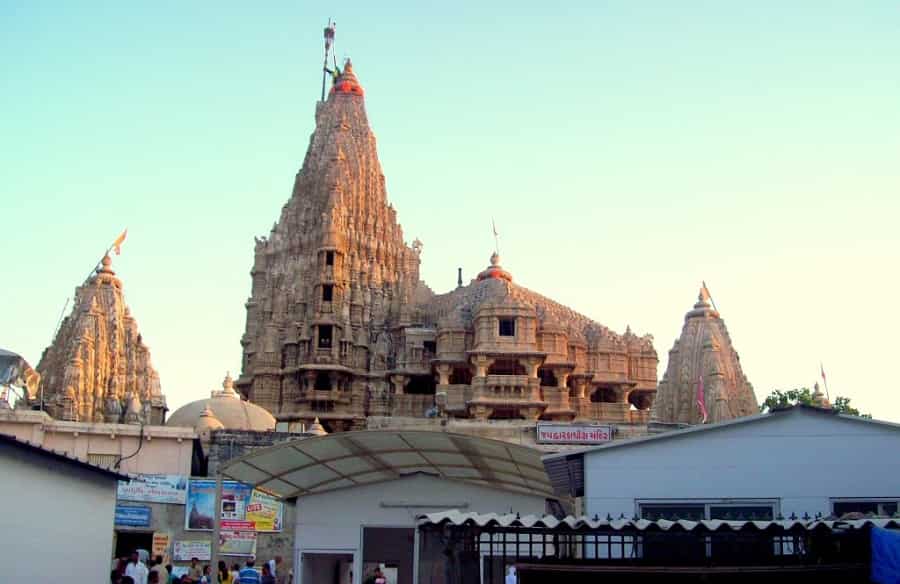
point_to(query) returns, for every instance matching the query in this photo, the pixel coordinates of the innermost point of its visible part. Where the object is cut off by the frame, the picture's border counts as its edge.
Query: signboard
(132, 516)
(573, 433)
(160, 545)
(184, 550)
(154, 488)
(237, 538)
(265, 512)
(239, 503)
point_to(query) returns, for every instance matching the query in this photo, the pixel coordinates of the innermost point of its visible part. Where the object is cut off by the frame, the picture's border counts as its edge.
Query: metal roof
(585, 523)
(566, 472)
(61, 457)
(315, 465)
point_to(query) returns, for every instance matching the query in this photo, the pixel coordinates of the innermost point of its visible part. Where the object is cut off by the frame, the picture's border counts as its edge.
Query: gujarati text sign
(573, 434)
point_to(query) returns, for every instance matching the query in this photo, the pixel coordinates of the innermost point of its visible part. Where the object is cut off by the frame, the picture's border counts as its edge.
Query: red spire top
(346, 83)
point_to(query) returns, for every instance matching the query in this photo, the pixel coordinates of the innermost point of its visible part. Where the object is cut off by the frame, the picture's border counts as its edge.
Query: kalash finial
(105, 266)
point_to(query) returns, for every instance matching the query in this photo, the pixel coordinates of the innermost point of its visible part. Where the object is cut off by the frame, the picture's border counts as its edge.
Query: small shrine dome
(224, 409)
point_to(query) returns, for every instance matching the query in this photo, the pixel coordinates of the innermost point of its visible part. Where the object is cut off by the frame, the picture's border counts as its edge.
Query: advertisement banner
(184, 550)
(154, 488)
(239, 503)
(201, 498)
(237, 538)
(160, 545)
(573, 433)
(132, 516)
(265, 512)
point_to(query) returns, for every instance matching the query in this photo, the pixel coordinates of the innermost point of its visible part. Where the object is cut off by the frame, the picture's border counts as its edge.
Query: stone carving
(98, 358)
(358, 321)
(704, 348)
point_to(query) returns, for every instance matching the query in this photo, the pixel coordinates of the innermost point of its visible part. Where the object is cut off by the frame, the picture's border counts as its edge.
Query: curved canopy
(315, 465)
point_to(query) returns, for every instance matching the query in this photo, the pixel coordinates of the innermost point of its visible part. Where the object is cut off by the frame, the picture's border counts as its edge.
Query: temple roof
(225, 407)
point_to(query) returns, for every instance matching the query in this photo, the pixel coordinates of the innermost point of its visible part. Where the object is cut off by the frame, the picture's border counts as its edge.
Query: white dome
(228, 408)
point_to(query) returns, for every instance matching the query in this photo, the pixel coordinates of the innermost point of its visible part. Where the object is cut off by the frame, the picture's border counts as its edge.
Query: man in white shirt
(136, 569)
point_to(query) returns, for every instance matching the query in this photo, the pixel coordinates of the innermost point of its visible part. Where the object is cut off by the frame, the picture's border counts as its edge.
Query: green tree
(802, 395)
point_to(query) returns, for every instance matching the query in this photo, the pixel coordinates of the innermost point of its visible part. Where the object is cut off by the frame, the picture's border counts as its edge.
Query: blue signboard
(132, 516)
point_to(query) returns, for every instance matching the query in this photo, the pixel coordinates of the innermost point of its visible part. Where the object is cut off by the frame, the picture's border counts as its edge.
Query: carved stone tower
(704, 348)
(333, 281)
(98, 368)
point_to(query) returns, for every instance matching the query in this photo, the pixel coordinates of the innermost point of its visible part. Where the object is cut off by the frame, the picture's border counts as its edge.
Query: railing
(557, 398)
(411, 405)
(613, 412)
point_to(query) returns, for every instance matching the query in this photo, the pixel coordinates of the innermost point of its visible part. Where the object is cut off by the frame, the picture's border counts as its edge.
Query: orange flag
(117, 244)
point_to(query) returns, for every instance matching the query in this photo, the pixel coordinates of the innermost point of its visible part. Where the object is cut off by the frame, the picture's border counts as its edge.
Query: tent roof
(316, 465)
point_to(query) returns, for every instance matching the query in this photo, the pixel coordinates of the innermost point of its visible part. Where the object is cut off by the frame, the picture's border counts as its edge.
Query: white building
(359, 494)
(56, 524)
(799, 461)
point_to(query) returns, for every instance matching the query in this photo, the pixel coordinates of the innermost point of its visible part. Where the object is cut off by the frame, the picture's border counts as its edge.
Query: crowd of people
(134, 571)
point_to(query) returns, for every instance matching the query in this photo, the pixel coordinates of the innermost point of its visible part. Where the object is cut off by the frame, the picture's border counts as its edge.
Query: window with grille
(105, 460)
(880, 507)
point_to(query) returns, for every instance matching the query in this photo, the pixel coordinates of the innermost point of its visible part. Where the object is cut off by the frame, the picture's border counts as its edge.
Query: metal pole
(217, 520)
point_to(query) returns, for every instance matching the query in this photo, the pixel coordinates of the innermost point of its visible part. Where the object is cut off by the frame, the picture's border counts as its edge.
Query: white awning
(315, 465)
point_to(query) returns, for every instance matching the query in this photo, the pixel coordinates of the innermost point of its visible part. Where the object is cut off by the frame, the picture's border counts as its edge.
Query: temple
(704, 350)
(340, 327)
(98, 368)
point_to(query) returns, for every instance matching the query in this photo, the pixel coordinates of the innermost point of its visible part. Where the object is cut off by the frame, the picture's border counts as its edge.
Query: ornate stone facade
(98, 368)
(340, 327)
(704, 348)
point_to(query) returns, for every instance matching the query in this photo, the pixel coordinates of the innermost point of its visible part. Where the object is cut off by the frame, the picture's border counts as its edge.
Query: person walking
(249, 575)
(267, 577)
(136, 570)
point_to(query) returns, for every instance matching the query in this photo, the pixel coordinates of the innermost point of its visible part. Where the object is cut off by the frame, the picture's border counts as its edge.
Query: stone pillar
(531, 365)
(444, 370)
(399, 382)
(481, 363)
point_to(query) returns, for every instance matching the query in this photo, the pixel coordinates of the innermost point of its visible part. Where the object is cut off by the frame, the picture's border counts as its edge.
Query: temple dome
(495, 270)
(225, 407)
(347, 83)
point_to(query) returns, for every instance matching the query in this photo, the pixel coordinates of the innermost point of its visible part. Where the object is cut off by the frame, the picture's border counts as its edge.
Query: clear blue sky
(627, 150)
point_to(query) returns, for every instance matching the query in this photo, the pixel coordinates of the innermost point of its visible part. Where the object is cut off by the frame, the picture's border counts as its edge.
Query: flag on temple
(822, 369)
(117, 244)
(701, 399)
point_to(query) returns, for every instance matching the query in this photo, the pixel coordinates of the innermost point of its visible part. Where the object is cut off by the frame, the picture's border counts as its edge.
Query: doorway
(128, 541)
(327, 568)
(391, 550)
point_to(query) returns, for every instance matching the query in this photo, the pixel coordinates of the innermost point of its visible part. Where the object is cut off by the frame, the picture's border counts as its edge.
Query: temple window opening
(507, 327)
(548, 379)
(604, 395)
(323, 382)
(327, 292)
(329, 258)
(461, 376)
(506, 367)
(420, 385)
(325, 336)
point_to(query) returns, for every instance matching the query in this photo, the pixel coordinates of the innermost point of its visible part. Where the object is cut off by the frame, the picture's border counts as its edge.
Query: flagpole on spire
(329, 41)
(496, 237)
(824, 380)
(711, 300)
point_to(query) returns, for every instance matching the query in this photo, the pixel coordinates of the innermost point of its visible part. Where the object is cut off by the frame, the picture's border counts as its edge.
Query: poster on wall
(239, 503)
(154, 488)
(237, 538)
(201, 498)
(184, 550)
(265, 512)
(160, 545)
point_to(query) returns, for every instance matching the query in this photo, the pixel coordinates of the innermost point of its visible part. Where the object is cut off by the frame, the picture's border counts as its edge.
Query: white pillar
(217, 520)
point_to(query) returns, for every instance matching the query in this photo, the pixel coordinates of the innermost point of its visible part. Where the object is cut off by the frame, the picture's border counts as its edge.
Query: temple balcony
(604, 411)
(457, 396)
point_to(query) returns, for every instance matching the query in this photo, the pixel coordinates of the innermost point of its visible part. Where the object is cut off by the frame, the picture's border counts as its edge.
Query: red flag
(117, 244)
(822, 369)
(701, 399)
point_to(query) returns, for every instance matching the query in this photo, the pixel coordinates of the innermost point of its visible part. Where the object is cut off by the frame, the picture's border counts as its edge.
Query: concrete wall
(522, 432)
(169, 519)
(165, 450)
(331, 522)
(56, 520)
(800, 458)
